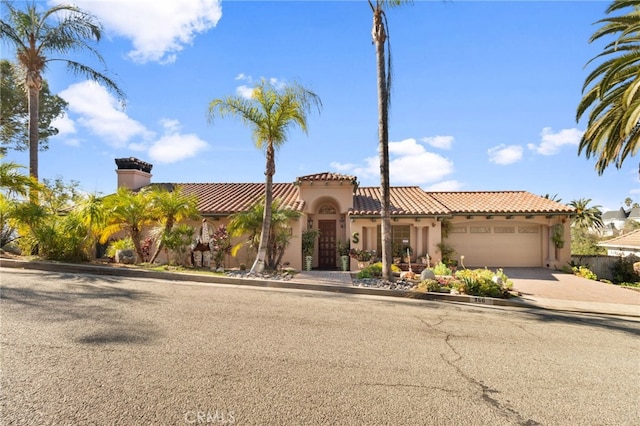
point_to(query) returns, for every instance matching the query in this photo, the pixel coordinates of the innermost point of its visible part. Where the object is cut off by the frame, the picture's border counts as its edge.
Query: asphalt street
(87, 349)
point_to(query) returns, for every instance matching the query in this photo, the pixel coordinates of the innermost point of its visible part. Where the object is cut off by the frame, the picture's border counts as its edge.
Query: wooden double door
(327, 244)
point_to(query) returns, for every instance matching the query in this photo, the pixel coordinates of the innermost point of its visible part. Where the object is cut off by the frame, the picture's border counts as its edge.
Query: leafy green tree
(52, 228)
(171, 207)
(178, 240)
(610, 91)
(130, 212)
(249, 224)
(585, 243)
(628, 201)
(380, 34)
(38, 37)
(12, 182)
(586, 217)
(14, 117)
(270, 113)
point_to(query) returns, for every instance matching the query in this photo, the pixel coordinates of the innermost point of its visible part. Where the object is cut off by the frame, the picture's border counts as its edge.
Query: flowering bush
(584, 272)
(484, 282)
(362, 255)
(220, 245)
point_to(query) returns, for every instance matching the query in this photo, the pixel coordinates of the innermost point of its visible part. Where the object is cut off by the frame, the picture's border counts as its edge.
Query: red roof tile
(498, 202)
(630, 240)
(405, 200)
(325, 176)
(228, 198)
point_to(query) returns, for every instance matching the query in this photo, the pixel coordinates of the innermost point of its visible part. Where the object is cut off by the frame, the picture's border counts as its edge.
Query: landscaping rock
(427, 274)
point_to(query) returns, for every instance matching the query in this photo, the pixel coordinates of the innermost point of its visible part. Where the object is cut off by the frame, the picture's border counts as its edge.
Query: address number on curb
(482, 300)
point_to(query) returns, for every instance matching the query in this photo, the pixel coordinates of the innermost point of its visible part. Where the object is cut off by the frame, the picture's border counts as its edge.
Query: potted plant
(557, 236)
(308, 244)
(362, 256)
(343, 252)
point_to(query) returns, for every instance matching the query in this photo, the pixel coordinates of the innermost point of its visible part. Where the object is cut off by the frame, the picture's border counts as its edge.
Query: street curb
(290, 284)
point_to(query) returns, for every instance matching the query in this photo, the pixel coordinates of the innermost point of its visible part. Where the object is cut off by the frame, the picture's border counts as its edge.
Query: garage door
(497, 243)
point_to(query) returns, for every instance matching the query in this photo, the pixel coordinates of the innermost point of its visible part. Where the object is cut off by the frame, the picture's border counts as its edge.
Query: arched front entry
(327, 241)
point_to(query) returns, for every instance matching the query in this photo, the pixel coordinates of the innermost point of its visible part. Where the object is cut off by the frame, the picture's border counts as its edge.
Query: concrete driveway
(552, 288)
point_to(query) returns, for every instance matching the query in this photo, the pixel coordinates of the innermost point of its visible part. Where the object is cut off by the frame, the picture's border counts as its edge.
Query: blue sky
(484, 97)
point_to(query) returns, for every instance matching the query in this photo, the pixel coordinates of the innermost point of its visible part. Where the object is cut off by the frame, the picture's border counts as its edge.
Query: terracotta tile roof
(326, 176)
(498, 202)
(228, 198)
(405, 200)
(628, 240)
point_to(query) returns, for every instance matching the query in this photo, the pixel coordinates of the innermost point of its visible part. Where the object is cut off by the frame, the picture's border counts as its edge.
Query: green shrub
(482, 282)
(375, 270)
(121, 244)
(622, 271)
(441, 269)
(584, 272)
(428, 285)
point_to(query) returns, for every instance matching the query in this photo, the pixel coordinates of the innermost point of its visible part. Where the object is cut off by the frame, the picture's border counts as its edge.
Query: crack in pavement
(486, 391)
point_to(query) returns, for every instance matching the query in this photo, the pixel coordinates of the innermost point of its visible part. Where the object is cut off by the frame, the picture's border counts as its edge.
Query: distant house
(615, 220)
(624, 245)
(490, 228)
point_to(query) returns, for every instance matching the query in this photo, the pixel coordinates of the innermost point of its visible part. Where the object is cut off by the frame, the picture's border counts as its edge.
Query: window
(504, 229)
(400, 236)
(327, 209)
(458, 230)
(480, 229)
(528, 229)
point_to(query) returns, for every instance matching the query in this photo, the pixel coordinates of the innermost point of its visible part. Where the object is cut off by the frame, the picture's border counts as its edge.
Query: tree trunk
(258, 265)
(34, 108)
(168, 227)
(379, 38)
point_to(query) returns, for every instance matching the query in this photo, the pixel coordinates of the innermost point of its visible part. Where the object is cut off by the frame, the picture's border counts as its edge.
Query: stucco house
(623, 245)
(615, 220)
(492, 228)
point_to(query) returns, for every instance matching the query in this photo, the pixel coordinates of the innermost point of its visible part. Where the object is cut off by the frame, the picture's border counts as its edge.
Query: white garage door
(497, 243)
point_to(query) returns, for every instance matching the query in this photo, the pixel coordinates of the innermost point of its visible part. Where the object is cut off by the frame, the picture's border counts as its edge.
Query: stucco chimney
(133, 173)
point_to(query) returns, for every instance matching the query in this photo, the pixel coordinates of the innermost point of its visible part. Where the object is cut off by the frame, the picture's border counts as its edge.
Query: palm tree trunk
(34, 108)
(258, 265)
(379, 37)
(168, 227)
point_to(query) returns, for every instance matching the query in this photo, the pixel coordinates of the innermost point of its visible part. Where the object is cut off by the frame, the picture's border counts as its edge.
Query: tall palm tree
(249, 224)
(171, 207)
(270, 113)
(38, 37)
(586, 217)
(611, 93)
(380, 34)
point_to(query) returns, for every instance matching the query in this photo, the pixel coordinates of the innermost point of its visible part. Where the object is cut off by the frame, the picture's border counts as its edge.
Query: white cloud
(176, 147)
(244, 91)
(503, 154)
(96, 110)
(447, 185)
(98, 113)
(409, 164)
(550, 142)
(157, 29)
(442, 142)
(66, 128)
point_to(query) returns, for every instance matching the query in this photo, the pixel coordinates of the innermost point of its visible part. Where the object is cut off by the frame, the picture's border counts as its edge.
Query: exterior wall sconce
(309, 223)
(342, 220)
(433, 224)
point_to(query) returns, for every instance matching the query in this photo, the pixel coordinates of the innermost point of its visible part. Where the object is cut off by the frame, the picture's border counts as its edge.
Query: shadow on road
(591, 320)
(102, 311)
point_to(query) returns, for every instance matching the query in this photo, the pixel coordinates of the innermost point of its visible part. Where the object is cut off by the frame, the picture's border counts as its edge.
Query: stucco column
(551, 248)
(419, 246)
